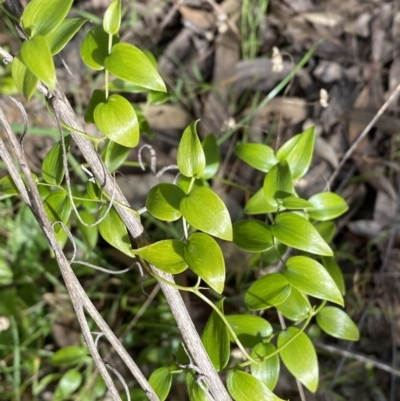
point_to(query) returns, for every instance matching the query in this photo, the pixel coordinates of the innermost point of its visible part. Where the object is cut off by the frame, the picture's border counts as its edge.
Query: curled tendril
(153, 161)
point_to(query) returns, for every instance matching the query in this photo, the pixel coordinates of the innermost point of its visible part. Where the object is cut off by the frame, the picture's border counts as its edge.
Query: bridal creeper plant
(294, 233)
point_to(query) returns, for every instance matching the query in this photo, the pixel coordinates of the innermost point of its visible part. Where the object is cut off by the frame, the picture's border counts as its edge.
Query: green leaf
(295, 307)
(257, 155)
(68, 384)
(205, 258)
(161, 380)
(327, 206)
(114, 155)
(204, 210)
(7, 186)
(6, 274)
(215, 338)
(267, 372)
(191, 159)
(184, 183)
(94, 47)
(69, 356)
(98, 96)
(337, 323)
(212, 155)
(196, 393)
(258, 204)
(167, 255)
(250, 329)
(24, 79)
(311, 277)
(53, 167)
(245, 387)
(299, 357)
(60, 37)
(252, 235)
(298, 152)
(326, 230)
(336, 273)
(117, 120)
(40, 17)
(35, 54)
(297, 232)
(163, 201)
(157, 98)
(129, 63)
(58, 208)
(113, 230)
(89, 234)
(112, 17)
(267, 291)
(293, 202)
(278, 184)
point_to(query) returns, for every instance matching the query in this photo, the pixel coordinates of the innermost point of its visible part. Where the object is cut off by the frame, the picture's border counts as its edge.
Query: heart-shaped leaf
(337, 323)
(311, 277)
(161, 380)
(299, 357)
(204, 210)
(98, 96)
(41, 17)
(191, 159)
(295, 307)
(257, 155)
(35, 54)
(205, 258)
(268, 370)
(168, 255)
(112, 17)
(327, 206)
(24, 79)
(297, 232)
(117, 120)
(129, 63)
(252, 235)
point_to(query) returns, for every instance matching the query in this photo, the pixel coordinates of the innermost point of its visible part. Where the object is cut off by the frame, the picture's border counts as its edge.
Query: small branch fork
(65, 114)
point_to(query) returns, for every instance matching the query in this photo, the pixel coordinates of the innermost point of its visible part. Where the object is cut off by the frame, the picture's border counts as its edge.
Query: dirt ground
(221, 60)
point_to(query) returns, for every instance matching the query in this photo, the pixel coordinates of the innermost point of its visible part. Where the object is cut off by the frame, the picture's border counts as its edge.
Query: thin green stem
(16, 359)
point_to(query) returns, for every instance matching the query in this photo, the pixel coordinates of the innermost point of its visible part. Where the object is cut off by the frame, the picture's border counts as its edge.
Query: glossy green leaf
(204, 210)
(267, 372)
(311, 277)
(69, 356)
(205, 258)
(337, 323)
(60, 37)
(89, 234)
(196, 393)
(298, 152)
(297, 232)
(167, 255)
(191, 159)
(53, 167)
(114, 155)
(252, 235)
(215, 338)
(157, 98)
(68, 384)
(326, 230)
(7, 186)
(257, 155)
(94, 47)
(293, 202)
(163, 201)
(268, 257)
(93, 190)
(299, 357)
(24, 79)
(117, 120)
(113, 230)
(112, 17)
(129, 63)
(278, 184)
(245, 387)
(295, 307)
(212, 155)
(58, 208)
(6, 274)
(250, 329)
(336, 273)
(35, 54)
(98, 96)
(161, 380)
(267, 291)
(327, 206)
(258, 204)
(40, 17)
